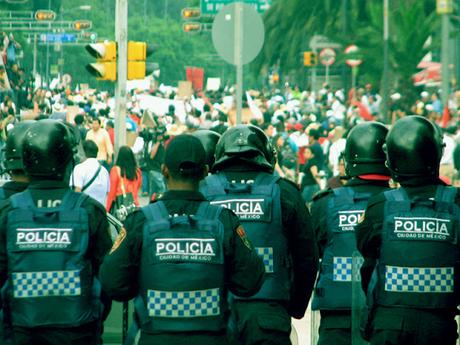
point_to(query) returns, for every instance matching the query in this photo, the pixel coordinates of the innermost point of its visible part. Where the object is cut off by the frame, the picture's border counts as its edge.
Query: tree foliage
(290, 24)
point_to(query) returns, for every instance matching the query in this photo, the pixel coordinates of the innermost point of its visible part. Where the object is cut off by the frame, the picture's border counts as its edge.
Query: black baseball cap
(185, 155)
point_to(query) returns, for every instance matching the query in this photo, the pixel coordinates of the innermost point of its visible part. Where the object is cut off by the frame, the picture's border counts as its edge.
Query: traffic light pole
(121, 37)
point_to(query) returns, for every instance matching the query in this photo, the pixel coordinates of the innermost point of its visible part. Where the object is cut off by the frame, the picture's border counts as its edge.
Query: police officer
(278, 223)
(19, 182)
(180, 256)
(335, 214)
(411, 235)
(52, 241)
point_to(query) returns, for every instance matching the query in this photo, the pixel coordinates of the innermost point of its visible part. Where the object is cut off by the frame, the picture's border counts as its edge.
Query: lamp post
(386, 69)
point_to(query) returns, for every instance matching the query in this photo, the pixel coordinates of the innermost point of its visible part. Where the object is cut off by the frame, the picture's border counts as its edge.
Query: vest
(258, 207)
(182, 271)
(50, 280)
(419, 251)
(333, 288)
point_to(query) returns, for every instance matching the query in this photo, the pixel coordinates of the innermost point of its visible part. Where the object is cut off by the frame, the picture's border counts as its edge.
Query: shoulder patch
(120, 238)
(242, 234)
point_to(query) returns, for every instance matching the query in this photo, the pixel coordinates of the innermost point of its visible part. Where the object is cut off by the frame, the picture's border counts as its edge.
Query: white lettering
(169, 248)
(348, 220)
(44, 236)
(421, 225)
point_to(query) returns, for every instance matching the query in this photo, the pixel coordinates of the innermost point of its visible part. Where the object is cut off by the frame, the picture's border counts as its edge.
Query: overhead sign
(211, 7)
(63, 38)
(327, 56)
(353, 52)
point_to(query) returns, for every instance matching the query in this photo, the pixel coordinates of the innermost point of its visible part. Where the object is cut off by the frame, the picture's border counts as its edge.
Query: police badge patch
(242, 234)
(120, 238)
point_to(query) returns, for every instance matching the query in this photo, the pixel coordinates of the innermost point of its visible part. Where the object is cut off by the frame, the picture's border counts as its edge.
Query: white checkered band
(419, 279)
(266, 253)
(343, 268)
(183, 303)
(44, 284)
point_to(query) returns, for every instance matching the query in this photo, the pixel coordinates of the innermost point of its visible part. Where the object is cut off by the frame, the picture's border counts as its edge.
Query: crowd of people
(300, 171)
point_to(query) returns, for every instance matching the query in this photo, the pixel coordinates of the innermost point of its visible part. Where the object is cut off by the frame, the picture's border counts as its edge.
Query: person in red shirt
(127, 172)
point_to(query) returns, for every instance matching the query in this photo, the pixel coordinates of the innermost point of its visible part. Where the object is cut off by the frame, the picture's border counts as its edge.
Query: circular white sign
(352, 50)
(327, 56)
(251, 33)
(67, 79)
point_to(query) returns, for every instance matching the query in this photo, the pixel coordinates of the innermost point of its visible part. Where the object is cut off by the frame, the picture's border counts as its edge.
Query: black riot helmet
(209, 141)
(363, 150)
(414, 148)
(48, 150)
(245, 143)
(13, 146)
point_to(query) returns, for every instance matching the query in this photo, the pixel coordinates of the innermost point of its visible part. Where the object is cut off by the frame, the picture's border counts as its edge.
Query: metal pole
(121, 36)
(35, 56)
(327, 74)
(47, 72)
(386, 69)
(445, 59)
(238, 59)
(353, 80)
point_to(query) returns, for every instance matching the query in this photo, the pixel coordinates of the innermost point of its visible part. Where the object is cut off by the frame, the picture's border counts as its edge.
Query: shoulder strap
(155, 211)
(215, 185)
(90, 182)
(343, 196)
(208, 211)
(22, 200)
(446, 194)
(396, 195)
(2, 193)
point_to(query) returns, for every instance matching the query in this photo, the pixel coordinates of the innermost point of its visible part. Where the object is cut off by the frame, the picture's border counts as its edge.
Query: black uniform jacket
(244, 270)
(301, 240)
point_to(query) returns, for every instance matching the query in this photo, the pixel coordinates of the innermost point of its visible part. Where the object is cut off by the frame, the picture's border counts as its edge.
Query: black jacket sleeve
(302, 246)
(120, 269)
(244, 268)
(369, 237)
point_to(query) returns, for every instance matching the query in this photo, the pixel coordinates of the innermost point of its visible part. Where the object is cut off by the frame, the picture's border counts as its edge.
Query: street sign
(62, 38)
(238, 36)
(212, 7)
(225, 35)
(444, 6)
(352, 51)
(327, 56)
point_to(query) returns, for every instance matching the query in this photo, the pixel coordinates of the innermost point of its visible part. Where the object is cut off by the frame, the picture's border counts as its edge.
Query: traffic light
(82, 24)
(191, 27)
(106, 66)
(138, 52)
(45, 15)
(310, 59)
(191, 12)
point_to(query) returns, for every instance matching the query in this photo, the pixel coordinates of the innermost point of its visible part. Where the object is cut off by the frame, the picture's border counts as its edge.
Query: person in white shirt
(90, 177)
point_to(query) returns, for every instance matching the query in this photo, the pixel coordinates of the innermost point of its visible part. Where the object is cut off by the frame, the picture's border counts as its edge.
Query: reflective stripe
(43, 284)
(419, 279)
(342, 271)
(266, 254)
(183, 303)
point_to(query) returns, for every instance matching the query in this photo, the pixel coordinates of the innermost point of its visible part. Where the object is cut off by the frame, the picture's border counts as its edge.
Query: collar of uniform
(48, 184)
(182, 194)
(356, 181)
(374, 177)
